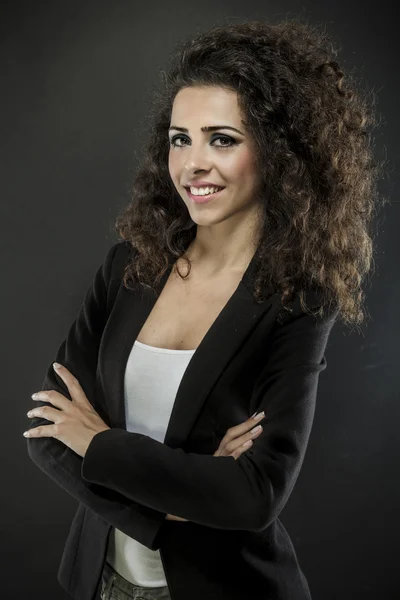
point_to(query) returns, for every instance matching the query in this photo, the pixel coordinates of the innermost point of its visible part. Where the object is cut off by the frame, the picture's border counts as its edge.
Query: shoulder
(117, 256)
(115, 260)
(316, 307)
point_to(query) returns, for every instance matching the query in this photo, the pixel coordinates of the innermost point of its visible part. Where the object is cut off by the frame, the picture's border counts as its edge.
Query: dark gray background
(75, 84)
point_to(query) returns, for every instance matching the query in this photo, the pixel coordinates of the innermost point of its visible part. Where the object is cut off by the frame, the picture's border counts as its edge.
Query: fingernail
(56, 365)
(255, 429)
(253, 415)
(260, 416)
(248, 443)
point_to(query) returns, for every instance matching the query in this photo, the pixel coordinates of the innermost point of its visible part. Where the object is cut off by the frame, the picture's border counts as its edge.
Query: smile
(203, 199)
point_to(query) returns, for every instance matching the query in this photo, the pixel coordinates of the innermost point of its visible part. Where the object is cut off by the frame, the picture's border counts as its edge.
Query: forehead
(206, 104)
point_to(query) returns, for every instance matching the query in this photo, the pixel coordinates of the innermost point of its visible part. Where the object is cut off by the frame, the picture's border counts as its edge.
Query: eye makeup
(224, 138)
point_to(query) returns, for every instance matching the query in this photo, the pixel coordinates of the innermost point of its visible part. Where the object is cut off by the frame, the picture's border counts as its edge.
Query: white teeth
(203, 191)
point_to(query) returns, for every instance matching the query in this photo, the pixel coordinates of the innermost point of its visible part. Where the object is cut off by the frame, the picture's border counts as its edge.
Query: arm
(222, 492)
(78, 353)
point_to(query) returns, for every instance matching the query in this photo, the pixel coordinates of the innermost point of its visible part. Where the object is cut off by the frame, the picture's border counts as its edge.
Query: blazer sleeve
(221, 492)
(78, 353)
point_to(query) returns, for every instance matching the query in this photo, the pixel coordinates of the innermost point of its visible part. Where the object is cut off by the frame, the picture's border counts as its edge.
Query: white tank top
(152, 378)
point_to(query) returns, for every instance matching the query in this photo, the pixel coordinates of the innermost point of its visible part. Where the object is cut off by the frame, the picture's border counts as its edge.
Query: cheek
(243, 169)
(173, 167)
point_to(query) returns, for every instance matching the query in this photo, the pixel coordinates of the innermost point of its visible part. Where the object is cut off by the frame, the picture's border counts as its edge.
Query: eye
(226, 138)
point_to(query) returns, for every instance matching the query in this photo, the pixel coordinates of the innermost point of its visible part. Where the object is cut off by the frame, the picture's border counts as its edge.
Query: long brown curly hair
(314, 152)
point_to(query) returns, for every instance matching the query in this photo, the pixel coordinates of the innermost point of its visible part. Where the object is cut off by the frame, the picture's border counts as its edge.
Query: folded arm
(221, 492)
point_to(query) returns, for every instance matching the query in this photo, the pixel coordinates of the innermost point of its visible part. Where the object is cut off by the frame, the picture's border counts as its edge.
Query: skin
(224, 225)
(75, 423)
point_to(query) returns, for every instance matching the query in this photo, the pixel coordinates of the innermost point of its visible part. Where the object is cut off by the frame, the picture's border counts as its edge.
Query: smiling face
(224, 157)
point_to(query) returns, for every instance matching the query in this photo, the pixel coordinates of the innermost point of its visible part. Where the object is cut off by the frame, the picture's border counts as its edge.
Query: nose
(197, 158)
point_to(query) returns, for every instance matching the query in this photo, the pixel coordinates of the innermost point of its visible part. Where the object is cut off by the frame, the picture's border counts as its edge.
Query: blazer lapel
(226, 334)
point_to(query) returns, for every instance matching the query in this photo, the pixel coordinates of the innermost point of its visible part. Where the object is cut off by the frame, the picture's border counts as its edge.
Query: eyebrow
(210, 128)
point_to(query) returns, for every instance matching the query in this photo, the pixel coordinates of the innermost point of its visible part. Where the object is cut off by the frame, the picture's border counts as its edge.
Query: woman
(246, 238)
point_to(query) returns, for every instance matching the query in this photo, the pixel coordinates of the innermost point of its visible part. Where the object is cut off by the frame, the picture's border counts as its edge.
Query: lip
(203, 199)
(202, 183)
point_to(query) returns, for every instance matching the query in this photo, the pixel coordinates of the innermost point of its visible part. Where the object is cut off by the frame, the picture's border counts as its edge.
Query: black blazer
(234, 546)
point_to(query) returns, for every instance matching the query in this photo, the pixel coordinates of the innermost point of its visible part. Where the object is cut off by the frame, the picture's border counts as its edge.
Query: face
(223, 157)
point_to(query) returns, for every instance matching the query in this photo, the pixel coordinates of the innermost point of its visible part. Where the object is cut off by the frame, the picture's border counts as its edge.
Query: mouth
(205, 198)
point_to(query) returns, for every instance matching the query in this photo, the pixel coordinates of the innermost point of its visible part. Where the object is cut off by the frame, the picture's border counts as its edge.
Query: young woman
(247, 237)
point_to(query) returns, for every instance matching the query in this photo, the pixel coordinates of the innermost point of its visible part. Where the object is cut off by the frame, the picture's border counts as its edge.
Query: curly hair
(313, 150)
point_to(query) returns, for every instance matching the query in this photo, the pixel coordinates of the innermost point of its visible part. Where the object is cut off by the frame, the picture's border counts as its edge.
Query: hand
(232, 442)
(232, 445)
(75, 424)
